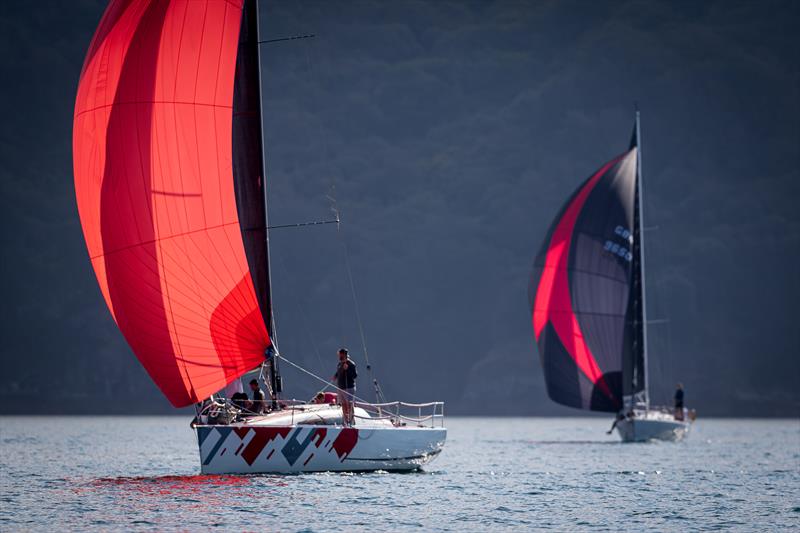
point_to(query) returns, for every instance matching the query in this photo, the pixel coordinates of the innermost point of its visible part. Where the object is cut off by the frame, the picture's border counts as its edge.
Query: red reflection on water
(150, 497)
(183, 485)
(162, 485)
(181, 481)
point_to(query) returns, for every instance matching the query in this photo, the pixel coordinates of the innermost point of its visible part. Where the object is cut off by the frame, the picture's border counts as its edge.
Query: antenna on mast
(293, 38)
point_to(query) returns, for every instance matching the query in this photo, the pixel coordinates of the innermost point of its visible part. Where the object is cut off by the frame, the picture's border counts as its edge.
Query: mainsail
(586, 292)
(160, 162)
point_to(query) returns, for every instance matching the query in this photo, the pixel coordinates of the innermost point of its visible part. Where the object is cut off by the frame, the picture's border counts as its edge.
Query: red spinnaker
(154, 184)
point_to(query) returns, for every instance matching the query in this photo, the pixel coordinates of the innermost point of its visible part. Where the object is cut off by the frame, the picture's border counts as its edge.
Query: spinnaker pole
(641, 258)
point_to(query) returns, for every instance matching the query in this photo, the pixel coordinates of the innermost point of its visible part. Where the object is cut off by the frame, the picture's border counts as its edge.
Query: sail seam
(112, 104)
(583, 271)
(130, 246)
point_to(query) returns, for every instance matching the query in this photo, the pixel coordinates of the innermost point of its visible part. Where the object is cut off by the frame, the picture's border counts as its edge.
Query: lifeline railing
(393, 411)
(430, 414)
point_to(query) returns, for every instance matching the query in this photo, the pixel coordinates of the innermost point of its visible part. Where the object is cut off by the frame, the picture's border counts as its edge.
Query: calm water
(512, 474)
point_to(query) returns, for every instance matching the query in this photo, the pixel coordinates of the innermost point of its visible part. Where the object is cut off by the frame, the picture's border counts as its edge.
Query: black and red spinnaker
(586, 292)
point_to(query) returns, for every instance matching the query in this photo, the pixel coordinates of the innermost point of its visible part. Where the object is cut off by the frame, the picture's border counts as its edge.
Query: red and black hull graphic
(583, 291)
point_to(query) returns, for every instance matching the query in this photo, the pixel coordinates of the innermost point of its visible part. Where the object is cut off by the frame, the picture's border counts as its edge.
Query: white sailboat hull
(307, 441)
(652, 426)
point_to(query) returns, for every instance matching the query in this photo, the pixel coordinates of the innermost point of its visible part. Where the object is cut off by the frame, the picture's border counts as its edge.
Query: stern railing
(430, 414)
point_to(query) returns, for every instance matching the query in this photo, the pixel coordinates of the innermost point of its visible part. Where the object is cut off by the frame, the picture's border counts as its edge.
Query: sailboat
(587, 299)
(169, 182)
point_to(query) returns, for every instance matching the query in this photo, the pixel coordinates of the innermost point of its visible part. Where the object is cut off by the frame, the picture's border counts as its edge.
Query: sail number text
(621, 250)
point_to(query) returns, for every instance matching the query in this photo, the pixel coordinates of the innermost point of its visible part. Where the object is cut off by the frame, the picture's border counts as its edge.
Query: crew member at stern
(679, 402)
(345, 379)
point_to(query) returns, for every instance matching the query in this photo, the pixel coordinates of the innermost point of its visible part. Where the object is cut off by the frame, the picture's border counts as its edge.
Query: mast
(642, 290)
(274, 376)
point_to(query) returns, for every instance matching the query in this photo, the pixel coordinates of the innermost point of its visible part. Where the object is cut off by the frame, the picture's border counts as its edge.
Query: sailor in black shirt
(679, 402)
(258, 404)
(345, 379)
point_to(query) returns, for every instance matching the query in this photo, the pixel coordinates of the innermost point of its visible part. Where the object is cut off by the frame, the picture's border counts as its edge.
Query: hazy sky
(452, 133)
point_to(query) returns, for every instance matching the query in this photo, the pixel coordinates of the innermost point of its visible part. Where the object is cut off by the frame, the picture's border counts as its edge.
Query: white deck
(316, 414)
(311, 438)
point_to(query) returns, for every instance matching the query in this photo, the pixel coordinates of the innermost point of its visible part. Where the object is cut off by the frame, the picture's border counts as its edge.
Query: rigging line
(334, 207)
(303, 314)
(660, 338)
(311, 67)
(308, 333)
(326, 161)
(378, 392)
(292, 38)
(325, 381)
